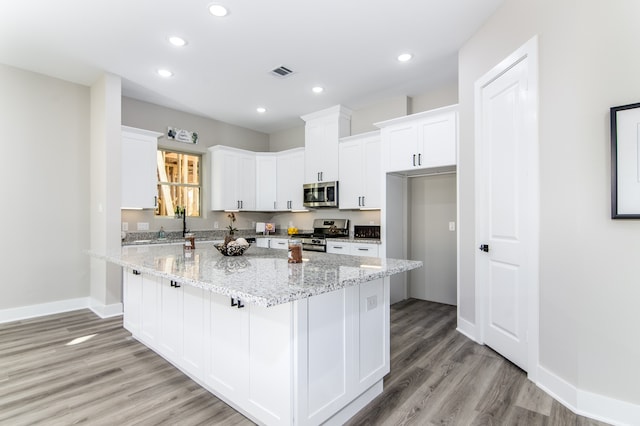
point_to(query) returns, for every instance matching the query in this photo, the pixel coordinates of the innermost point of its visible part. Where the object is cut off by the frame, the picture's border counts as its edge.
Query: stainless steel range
(323, 229)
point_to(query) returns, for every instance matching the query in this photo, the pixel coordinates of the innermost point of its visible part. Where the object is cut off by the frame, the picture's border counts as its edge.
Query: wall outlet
(371, 222)
(125, 226)
(452, 226)
(372, 302)
(216, 225)
(143, 226)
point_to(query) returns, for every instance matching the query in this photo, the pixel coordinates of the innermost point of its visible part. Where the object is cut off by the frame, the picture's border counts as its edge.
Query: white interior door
(506, 175)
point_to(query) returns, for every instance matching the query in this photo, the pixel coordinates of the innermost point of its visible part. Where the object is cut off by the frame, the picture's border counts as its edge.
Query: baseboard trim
(467, 328)
(42, 309)
(588, 404)
(106, 311)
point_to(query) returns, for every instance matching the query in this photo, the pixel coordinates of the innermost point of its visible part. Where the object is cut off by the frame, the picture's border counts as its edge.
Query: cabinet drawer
(359, 249)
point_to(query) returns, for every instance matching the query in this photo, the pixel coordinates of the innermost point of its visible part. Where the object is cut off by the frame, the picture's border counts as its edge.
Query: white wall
(105, 156)
(432, 205)
(589, 265)
(45, 192)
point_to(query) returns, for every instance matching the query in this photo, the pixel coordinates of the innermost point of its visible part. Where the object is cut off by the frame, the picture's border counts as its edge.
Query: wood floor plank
(438, 376)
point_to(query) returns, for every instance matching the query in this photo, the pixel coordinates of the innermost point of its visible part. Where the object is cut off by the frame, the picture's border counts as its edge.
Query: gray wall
(287, 139)
(589, 265)
(445, 95)
(432, 205)
(363, 118)
(46, 188)
(211, 132)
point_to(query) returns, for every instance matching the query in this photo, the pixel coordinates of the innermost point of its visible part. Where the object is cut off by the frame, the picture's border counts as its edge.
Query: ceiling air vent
(281, 71)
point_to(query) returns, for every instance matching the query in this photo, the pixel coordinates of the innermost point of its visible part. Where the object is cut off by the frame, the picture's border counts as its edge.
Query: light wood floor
(437, 377)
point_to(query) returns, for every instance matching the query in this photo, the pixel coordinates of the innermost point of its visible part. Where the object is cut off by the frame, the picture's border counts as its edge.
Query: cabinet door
(246, 181)
(139, 175)
(224, 165)
(351, 174)
(437, 141)
(401, 146)
(266, 182)
(290, 178)
(262, 242)
(336, 247)
(321, 150)
(194, 311)
(233, 179)
(170, 319)
(132, 282)
(150, 321)
(372, 159)
(229, 348)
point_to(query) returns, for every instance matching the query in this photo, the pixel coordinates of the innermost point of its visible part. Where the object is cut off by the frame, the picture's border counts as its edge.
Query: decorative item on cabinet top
(182, 135)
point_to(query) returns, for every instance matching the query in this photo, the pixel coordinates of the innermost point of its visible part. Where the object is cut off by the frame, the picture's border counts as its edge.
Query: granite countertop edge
(282, 293)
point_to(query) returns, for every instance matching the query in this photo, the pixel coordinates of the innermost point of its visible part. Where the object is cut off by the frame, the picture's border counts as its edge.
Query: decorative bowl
(231, 250)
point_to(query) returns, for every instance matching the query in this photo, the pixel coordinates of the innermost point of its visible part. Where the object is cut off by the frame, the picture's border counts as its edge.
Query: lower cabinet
(353, 249)
(276, 243)
(168, 317)
(296, 363)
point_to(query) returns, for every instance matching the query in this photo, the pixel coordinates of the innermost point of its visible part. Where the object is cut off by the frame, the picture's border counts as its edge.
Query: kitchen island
(285, 344)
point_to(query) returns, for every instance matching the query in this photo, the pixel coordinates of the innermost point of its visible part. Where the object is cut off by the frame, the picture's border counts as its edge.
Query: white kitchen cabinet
(290, 178)
(338, 247)
(193, 314)
(139, 168)
(266, 181)
(233, 178)
(245, 353)
(169, 317)
(274, 243)
(352, 249)
(364, 249)
(360, 171)
(322, 131)
(228, 352)
(150, 314)
(132, 301)
(420, 141)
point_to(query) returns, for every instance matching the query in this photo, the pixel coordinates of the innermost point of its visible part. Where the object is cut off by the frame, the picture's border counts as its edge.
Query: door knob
(484, 247)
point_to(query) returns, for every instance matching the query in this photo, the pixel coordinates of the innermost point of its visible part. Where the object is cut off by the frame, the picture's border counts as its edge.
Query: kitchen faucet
(182, 211)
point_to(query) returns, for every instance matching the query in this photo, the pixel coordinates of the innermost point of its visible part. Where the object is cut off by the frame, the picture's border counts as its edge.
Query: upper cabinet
(139, 168)
(360, 171)
(420, 141)
(233, 178)
(322, 131)
(290, 178)
(266, 181)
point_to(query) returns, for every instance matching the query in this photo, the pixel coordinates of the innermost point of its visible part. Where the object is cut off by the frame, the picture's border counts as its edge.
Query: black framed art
(625, 162)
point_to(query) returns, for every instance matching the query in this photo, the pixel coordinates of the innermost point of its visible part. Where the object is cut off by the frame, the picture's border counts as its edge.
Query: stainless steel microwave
(320, 194)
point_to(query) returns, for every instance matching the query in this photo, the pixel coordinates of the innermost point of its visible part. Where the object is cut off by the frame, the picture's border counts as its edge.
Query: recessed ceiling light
(261, 110)
(317, 89)
(405, 57)
(218, 10)
(177, 41)
(164, 73)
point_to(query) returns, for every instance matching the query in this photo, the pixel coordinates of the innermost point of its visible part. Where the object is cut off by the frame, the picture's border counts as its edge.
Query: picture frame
(625, 161)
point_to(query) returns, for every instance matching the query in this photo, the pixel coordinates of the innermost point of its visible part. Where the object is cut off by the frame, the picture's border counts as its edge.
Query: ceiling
(349, 47)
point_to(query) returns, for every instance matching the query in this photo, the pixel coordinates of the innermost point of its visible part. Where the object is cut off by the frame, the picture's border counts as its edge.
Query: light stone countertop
(261, 276)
